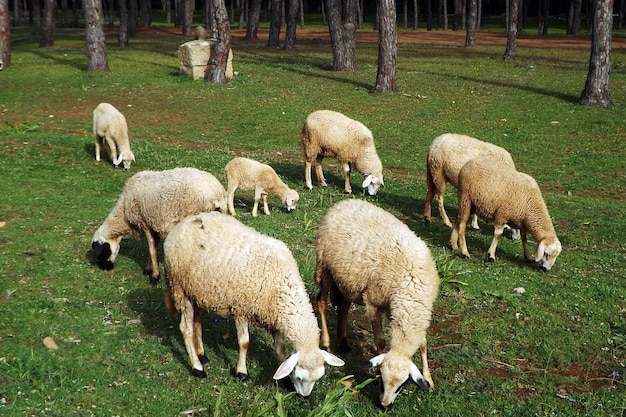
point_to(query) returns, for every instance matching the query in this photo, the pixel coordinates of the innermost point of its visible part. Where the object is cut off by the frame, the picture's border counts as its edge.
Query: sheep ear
(377, 360)
(132, 156)
(415, 373)
(286, 367)
(331, 359)
(368, 181)
(117, 161)
(541, 248)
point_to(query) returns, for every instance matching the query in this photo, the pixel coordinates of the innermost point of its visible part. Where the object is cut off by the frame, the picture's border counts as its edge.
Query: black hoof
(343, 347)
(203, 359)
(490, 259)
(241, 377)
(464, 256)
(154, 280)
(198, 373)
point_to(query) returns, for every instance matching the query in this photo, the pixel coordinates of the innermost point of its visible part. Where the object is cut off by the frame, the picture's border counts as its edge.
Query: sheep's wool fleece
(370, 253)
(158, 200)
(229, 268)
(250, 174)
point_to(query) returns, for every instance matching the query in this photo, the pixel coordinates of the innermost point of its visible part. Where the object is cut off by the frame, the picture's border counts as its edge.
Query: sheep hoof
(203, 359)
(198, 373)
(490, 259)
(154, 280)
(464, 256)
(243, 377)
(343, 347)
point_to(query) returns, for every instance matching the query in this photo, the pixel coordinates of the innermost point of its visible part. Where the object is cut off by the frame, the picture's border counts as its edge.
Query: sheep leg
(197, 335)
(112, 148)
(98, 146)
(375, 316)
(529, 257)
(265, 207)
(307, 175)
(322, 296)
(319, 173)
(152, 269)
(231, 199)
(425, 369)
(429, 196)
(458, 232)
(497, 234)
(346, 171)
(243, 337)
(342, 325)
(474, 224)
(187, 329)
(257, 199)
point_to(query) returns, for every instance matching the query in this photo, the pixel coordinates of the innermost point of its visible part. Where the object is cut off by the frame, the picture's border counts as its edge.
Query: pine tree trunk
(254, 16)
(47, 28)
(94, 34)
(596, 92)
(342, 34)
(220, 49)
(122, 34)
(5, 35)
(511, 37)
(387, 48)
(472, 15)
(292, 22)
(273, 40)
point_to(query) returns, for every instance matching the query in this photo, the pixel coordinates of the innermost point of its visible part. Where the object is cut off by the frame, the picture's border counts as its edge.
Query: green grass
(549, 352)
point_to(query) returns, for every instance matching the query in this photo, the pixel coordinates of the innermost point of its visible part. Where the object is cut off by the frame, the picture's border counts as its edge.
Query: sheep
(214, 262)
(366, 255)
(200, 33)
(329, 133)
(110, 125)
(446, 156)
(248, 174)
(151, 203)
(497, 192)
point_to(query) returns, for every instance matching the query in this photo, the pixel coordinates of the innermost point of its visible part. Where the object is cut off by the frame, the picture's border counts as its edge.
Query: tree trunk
(216, 73)
(387, 48)
(5, 35)
(472, 15)
(273, 40)
(47, 28)
(544, 10)
(511, 23)
(145, 13)
(187, 16)
(133, 13)
(122, 34)
(342, 33)
(596, 92)
(94, 34)
(252, 28)
(292, 22)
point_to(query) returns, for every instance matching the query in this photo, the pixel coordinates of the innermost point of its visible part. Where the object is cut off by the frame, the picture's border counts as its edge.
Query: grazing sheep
(111, 131)
(328, 133)
(446, 156)
(366, 255)
(248, 174)
(151, 203)
(213, 262)
(497, 192)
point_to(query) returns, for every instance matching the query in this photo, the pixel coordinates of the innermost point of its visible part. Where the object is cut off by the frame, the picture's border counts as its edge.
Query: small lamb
(214, 262)
(248, 174)
(366, 255)
(151, 203)
(446, 156)
(329, 133)
(497, 192)
(110, 130)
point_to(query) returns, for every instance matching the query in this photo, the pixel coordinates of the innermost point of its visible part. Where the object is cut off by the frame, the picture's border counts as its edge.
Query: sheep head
(291, 199)
(547, 251)
(105, 252)
(125, 159)
(305, 369)
(395, 370)
(373, 183)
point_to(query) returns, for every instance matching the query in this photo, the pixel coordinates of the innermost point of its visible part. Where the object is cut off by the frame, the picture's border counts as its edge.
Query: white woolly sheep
(214, 262)
(366, 255)
(329, 133)
(497, 192)
(248, 174)
(111, 131)
(151, 203)
(446, 156)
(200, 33)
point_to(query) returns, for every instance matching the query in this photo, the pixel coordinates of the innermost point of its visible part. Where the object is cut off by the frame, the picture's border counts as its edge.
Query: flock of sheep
(364, 254)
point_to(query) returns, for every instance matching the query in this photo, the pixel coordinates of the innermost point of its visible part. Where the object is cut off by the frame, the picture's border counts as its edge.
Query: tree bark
(216, 73)
(511, 36)
(342, 29)
(187, 15)
(5, 35)
(47, 28)
(94, 34)
(273, 40)
(596, 92)
(387, 48)
(252, 28)
(122, 33)
(472, 16)
(292, 22)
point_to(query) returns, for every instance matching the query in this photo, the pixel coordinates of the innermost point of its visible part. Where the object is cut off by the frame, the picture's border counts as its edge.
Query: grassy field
(559, 349)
